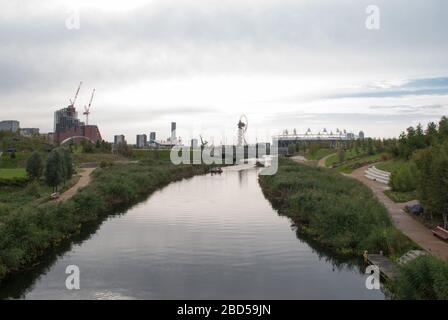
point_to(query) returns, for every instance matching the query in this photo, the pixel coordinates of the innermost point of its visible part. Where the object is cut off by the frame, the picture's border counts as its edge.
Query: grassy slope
(401, 197)
(339, 212)
(391, 165)
(6, 162)
(320, 154)
(79, 158)
(27, 231)
(12, 173)
(334, 159)
(352, 164)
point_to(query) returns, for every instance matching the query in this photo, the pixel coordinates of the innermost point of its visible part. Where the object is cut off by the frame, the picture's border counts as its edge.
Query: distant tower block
(173, 132)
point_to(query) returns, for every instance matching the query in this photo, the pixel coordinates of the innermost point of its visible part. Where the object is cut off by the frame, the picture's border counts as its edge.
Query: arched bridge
(76, 137)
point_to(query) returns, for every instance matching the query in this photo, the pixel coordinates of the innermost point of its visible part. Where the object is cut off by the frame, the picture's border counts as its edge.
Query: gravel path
(83, 182)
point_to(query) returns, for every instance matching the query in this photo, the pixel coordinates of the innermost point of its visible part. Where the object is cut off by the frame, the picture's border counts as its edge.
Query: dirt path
(322, 161)
(84, 180)
(299, 159)
(408, 225)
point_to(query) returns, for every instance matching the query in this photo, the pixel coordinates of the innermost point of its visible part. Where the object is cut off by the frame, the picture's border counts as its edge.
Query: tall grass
(339, 212)
(27, 231)
(423, 278)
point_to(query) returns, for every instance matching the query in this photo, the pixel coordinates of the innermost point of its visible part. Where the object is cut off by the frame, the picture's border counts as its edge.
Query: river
(208, 237)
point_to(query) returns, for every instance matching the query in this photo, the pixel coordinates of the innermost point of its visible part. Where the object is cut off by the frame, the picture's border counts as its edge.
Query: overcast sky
(202, 63)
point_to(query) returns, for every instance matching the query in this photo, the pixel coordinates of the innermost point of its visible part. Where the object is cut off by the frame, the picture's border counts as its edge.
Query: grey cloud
(410, 108)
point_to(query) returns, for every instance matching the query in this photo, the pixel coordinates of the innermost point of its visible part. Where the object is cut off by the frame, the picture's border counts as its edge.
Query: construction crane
(87, 108)
(72, 103)
(203, 143)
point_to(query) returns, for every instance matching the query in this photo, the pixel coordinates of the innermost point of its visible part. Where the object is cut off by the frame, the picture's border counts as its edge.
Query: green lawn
(6, 162)
(352, 164)
(12, 173)
(320, 154)
(79, 158)
(349, 154)
(391, 165)
(401, 197)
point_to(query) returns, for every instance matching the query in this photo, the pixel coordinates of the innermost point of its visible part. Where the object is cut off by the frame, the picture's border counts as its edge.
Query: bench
(440, 233)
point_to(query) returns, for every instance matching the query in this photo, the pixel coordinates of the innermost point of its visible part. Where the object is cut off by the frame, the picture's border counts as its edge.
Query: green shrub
(14, 182)
(35, 166)
(339, 212)
(33, 189)
(404, 179)
(423, 278)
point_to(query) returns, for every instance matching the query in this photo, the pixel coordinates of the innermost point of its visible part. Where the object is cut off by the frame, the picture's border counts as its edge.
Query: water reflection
(209, 237)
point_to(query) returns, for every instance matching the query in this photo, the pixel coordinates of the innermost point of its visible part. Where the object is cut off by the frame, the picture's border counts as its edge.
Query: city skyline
(204, 63)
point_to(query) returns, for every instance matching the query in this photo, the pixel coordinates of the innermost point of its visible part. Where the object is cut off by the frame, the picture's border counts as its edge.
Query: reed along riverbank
(338, 212)
(342, 214)
(28, 231)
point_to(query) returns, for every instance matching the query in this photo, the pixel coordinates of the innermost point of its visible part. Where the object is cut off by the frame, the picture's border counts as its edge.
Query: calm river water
(209, 237)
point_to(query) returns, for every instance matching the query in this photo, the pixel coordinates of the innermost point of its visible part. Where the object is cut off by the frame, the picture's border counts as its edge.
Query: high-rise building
(142, 140)
(194, 144)
(10, 125)
(28, 132)
(119, 139)
(152, 137)
(67, 125)
(173, 133)
(361, 135)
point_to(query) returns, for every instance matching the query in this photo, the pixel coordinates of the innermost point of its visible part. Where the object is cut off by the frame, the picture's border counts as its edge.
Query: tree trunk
(445, 221)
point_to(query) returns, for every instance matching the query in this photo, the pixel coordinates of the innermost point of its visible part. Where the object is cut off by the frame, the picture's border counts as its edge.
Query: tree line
(57, 169)
(426, 169)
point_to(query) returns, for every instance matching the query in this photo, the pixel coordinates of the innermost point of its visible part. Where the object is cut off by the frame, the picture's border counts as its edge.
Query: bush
(404, 179)
(33, 189)
(35, 166)
(340, 213)
(15, 182)
(423, 278)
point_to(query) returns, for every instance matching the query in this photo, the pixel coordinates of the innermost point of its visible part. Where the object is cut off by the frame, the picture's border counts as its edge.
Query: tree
(87, 146)
(124, 149)
(431, 134)
(67, 164)
(432, 164)
(341, 154)
(34, 166)
(54, 171)
(443, 128)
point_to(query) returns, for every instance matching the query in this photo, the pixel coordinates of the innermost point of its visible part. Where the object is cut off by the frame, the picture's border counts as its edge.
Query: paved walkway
(404, 222)
(82, 182)
(322, 161)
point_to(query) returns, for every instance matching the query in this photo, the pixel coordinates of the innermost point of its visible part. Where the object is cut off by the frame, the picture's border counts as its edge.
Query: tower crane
(203, 143)
(87, 108)
(72, 103)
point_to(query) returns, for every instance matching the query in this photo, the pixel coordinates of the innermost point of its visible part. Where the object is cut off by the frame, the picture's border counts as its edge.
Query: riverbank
(338, 212)
(28, 231)
(412, 228)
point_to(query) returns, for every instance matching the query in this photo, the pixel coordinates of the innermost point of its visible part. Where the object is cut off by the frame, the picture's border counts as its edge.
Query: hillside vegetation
(339, 212)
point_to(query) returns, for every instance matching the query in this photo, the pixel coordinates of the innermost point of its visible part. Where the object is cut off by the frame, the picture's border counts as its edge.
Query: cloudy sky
(202, 63)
